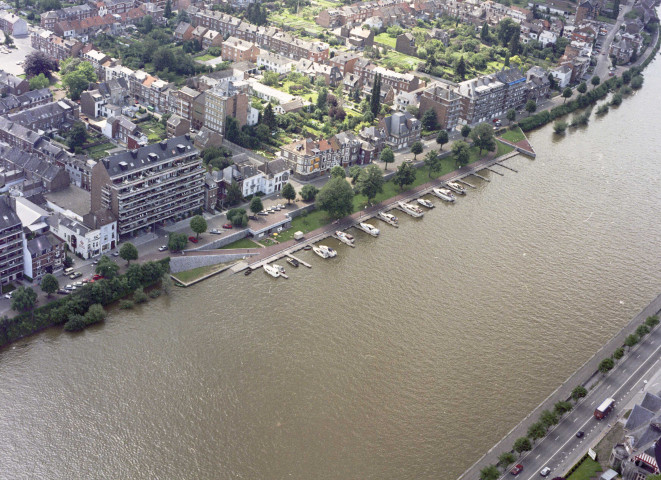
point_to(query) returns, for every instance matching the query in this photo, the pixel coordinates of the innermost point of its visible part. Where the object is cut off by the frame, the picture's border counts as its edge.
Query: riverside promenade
(586, 375)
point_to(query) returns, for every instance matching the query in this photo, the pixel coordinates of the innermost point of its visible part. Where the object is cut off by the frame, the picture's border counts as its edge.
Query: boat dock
(305, 264)
(345, 241)
(389, 222)
(475, 174)
(461, 180)
(495, 171)
(505, 166)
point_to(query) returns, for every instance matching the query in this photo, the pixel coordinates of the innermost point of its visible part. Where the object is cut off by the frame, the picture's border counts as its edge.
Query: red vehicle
(518, 468)
(192, 239)
(97, 277)
(228, 226)
(604, 409)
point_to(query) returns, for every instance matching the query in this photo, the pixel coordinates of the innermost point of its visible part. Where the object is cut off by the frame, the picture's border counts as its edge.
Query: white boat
(324, 252)
(280, 268)
(345, 237)
(425, 203)
(371, 229)
(457, 188)
(272, 270)
(444, 194)
(389, 218)
(412, 210)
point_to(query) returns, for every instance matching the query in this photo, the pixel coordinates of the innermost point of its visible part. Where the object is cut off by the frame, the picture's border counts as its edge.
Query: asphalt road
(560, 449)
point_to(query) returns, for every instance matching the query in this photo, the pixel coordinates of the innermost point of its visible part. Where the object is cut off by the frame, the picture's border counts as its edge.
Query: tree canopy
(49, 284)
(107, 268)
(442, 138)
(387, 156)
(39, 82)
(433, 162)
(483, 137)
(416, 149)
(23, 299)
(289, 192)
(37, 63)
(370, 182)
(128, 252)
(336, 198)
(177, 242)
(309, 193)
(404, 176)
(198, 224)
(337, 172)
(256, 205)
(461, 153)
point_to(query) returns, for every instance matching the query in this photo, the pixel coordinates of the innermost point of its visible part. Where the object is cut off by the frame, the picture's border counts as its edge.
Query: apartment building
(445, 101)
(223, 101)
(11, 243)
(181, 102)
(93, 235)
(151, 185)
(41, 255)
(55, 47)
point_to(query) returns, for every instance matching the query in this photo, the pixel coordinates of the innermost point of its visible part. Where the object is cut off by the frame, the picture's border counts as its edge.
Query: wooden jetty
(505, 166)
(495, 171)
(480, 177)
(461, 180)
(305, 264)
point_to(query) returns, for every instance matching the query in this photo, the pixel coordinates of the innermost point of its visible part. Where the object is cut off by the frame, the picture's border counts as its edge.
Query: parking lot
(9, 61)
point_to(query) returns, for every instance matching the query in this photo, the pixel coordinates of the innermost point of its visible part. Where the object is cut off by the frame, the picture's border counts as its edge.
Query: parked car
(580, 434)
(544, 472)
(75, 275)
(518, 468)
(215, 231)
(62, 291)
(192, 239)
(115, 254)
(95, 262)
(97, 277)
(69, 287)
(162, 248)
(68, 271)
(228, 226)
(8, 295)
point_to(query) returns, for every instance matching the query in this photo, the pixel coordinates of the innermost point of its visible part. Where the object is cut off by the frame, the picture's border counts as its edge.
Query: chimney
(163, 144)
(106, 163)
(134, 153)
(187, 136)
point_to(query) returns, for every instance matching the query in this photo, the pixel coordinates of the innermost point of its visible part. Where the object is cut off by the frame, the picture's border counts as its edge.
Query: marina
(411, 209)
(345, 238)
(456, 188)
(369, 229)
(389, 218)
(444, 194)
(425, 203)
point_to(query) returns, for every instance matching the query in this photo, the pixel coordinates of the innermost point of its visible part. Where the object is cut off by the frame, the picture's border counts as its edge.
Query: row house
(345, 61)
(309, 158)
(50, 175)
(267, 178)
(149, 186)
(16, 135)
(114, 7)
(11, 243)
(357, 13)
(121, 128)
(357, 36)
(49, 117)
(15, 103)
(42, 255)
(329, 73)
(95, 103)
(75, 12)
(367, 71)
(97, 59)
(13, 24)
(183, 32)
(79, 169)
(177, 126)
(402, 129)
(55, 47)
(81, 29)
(181, 102)
(237, 50)
(538, 83)
(274, 62)
(12, 84)
(92, 235)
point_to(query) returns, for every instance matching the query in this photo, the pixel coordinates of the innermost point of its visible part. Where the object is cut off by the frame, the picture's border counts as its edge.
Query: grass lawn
(502, 149)
(305, 223)
(205, 57)
(514, 135)
(243, 243)
(588, 469)
(153, 129)
(188, 276)
(267, 242)
(385, 39)
(295, 22)
(404, 62)
(99, 151)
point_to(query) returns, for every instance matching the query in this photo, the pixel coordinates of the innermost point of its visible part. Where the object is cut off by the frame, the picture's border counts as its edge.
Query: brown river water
(405, 358)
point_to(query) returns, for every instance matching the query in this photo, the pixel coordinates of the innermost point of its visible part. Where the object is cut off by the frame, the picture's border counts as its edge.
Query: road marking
(575, 420)
(538, 455)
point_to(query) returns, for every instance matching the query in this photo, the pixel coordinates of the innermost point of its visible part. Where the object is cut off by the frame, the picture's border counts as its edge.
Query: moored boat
(412, 210)
(457, 188)
(248, 271)
(272, 270)
(444, 194)
(307, 247)
(293, 262)
(280, 268)
(324, 251)
(369, 228)
(425, 203)
(389, 218)
(345, 237)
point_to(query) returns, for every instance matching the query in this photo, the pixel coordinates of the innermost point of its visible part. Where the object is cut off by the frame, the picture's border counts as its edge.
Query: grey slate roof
(638, 417)
(8, 217)
(651, 402)
(42, 244)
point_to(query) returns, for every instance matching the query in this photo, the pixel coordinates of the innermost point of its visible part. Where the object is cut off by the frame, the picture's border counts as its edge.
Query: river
(405, 358)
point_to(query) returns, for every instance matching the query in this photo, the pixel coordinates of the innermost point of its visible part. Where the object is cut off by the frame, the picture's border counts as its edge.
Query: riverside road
(561, 448)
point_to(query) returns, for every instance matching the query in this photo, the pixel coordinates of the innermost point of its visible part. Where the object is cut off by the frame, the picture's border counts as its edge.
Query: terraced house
(151, 185)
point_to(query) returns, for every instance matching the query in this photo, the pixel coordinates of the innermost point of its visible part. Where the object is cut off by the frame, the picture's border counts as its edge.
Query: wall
(183, 262)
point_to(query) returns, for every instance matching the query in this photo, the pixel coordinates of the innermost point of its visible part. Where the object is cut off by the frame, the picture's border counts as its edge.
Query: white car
(215, 231)
(162, 248)
(545, 471)
(8, 295)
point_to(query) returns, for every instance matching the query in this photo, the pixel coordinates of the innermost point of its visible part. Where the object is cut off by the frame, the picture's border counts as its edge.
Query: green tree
(548, 418)
(289, 192)
(483, 137)
(433, 162)
(582, 87)
(37, 63)
(128, 252)
(416, 149)
(515, 45)
(75, 83)
(511, 115)
(616, 8)
(23, 299)
(322, 98)
(606, 365)
(536, 431)
(337, 172)
(490, 472)
(619, 353)
(461, 153)
(387, 156)
(652, 321)
(232, 131)
(309, 193)
(642, 330)
(559, 127)
(270, 79)
(336, 198)
(107, 268)
(595, 80)
(522, 444)
(354, 172)
(562, 407)
(460, 68)
(506, 459)
(76, 136)
(578, 392)
(49, 284)
(199, 225)
(375, 98)
(566, 93)
(256, 205)
(167, 12)
(442, 138)
(370, 182)
(429, 120)
(531, 106)
(268, 117)
(637, 82)
(507, 28)
(552, 82)
(404, 176)
(39, 82)
(626, 77)
(484, 34)
(233, 194)
(238, 217)
(465, 131)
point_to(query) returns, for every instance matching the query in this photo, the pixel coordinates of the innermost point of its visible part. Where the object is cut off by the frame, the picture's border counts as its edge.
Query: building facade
(11, 244)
